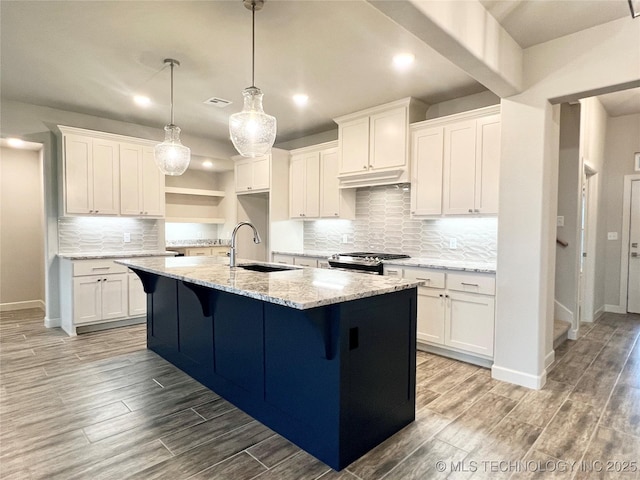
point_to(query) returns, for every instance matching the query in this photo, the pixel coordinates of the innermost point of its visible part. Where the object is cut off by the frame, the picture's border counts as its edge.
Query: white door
(354, 145)
(130, 172)
(388, 139)
(87, 301)
(329, 184)
(459, 168)
(426, 171)
(431, 310)
(114, 296)
(633, 289)
(106, 177)
(137, 297)
(470, 322)
(152, 185)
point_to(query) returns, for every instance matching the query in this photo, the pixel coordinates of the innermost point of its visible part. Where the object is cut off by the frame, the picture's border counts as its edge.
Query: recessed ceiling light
(141, 100)
(301, 99)
(207, 164)
(15, 142)
(403, 61)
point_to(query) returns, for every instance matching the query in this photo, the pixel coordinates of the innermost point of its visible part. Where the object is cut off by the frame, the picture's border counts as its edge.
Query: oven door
(355, 267)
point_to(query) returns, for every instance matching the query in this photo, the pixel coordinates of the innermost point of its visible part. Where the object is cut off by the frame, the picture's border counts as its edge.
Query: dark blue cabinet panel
(195, 332)
(163, 321)
(238, 334)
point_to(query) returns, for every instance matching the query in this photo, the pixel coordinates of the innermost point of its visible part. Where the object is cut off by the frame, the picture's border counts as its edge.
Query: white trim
(560, 312)
(614, 309)
(519, 378)
(66, 130)
(624, 245)
(572, 334)
(598, 313)
(12, 306)
(52, 322)
(456, 355)
(549, 359)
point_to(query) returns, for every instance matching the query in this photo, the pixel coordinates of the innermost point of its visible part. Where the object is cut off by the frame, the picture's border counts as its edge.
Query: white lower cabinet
(137, 297)
(96, 292)
(301, 261)
(455, 311)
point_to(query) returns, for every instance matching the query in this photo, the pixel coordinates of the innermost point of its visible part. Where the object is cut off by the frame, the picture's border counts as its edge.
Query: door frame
(586, 281)
(624, 244)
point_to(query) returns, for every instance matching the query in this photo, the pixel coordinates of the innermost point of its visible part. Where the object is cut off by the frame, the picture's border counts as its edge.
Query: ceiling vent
(217, 102)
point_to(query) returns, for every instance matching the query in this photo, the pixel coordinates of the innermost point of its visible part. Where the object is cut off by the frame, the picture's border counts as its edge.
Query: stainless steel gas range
(365, 262)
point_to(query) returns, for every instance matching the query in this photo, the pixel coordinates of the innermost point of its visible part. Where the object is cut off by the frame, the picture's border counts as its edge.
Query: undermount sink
(260, 267)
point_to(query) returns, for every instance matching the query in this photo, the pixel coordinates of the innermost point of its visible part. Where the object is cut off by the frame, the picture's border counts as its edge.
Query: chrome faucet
(232, 252)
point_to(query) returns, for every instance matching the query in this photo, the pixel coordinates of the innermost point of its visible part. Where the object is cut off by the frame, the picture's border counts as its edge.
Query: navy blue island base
(335, 380)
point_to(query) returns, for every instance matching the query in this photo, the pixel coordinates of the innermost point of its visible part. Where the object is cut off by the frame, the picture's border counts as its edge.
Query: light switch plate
(126, 237)
(345, 238)
(612, 235)
(560, 221)
(453, 243)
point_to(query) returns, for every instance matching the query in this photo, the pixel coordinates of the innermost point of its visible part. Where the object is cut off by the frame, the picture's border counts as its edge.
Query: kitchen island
(325, 358)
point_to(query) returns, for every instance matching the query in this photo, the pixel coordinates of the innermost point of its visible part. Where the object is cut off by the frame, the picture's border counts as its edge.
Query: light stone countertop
(99, 255)
(301, 288)
(441, 264)
(306, 253)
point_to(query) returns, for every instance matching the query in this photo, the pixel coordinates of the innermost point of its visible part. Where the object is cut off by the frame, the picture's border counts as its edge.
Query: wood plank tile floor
(100, 406)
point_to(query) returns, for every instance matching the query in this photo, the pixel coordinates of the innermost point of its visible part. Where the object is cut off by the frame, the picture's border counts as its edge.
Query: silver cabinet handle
(471, 210)
(425, 279)
(634, 254)
(364, 166)
(477, 210)
(392, 271)
(470, 284)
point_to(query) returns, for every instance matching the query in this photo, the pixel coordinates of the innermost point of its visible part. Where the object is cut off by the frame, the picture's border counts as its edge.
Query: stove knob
(377, 259)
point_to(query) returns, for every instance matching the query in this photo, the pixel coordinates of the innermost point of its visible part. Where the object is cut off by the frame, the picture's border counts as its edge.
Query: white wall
(569, 180)
(22, 279)
(622, 141)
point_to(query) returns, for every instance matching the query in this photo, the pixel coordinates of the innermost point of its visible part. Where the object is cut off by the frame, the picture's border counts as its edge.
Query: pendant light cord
(253, 44)
(172, 92)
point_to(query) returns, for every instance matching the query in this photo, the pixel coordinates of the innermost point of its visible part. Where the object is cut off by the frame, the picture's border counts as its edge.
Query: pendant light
(252, 131)
(172, 158)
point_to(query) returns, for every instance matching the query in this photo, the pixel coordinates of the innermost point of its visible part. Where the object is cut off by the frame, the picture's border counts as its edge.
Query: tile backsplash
(383, 224)
(106, 234)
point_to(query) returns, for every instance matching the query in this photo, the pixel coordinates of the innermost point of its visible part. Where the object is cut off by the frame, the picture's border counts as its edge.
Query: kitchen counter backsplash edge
(99, 255)
(422, 262)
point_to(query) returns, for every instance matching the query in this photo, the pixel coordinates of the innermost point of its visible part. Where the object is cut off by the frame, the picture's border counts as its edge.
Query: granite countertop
(98, 255)
(307, 253)
(301, 288)
(459, 265)
(197, 243)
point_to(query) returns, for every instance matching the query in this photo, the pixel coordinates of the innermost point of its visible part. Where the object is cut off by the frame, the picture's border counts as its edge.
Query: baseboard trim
(598, 314)
(549, 359)
(463, 357)
(523, 379)
(614, 309)
(560, 312)
(52, 322)
(572, 334)
(11, 306)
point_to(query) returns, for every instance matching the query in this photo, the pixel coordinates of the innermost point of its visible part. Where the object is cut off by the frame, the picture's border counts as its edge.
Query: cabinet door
(130, 179)
(487, 164)
(459, 168)
(243, 175)
(470, 322)
(305, 262)
(427, 152)
(261, 173)
(296, 187)
(106, 177)
(137, 297)
(388, 139)
(312, 185)
(152, 185)
(329, 184)
(198, 252)
(87, 299)
(431, 314)
(78, 174)
(115, 290)
(354, 145)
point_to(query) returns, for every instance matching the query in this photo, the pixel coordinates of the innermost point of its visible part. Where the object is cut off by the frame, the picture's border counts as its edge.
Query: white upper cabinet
(252, 175)
(373, 144)
(142, 185)
(91, 176)
(107, 174)
(455, 163)
(314, 190)
(304, 189)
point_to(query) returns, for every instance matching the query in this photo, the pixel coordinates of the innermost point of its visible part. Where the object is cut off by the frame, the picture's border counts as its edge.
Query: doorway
(586, 277)
(22, 235)
(633, 257)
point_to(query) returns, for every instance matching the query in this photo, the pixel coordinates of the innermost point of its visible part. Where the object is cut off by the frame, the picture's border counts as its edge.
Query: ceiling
(92, 56)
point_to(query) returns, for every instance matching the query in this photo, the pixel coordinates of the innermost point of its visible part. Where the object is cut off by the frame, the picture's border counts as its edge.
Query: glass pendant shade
(172, 158)
(252, 131)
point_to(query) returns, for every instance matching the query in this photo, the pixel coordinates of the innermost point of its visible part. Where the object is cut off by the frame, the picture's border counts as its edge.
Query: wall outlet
(126, 237)
(345, 238)
(612, 235)
(453, 243)
(560, 221)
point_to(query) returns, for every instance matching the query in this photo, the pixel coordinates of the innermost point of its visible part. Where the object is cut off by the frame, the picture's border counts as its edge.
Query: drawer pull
(470, 284)
(393, 272)
(422, 278)
(100, 268)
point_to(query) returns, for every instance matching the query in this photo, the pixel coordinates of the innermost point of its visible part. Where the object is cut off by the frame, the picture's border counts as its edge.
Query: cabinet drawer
(305, 262)
(473, 283)
(285, 259)
(392, 271)
(198, 252)
(96, 267)
(431, 278)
